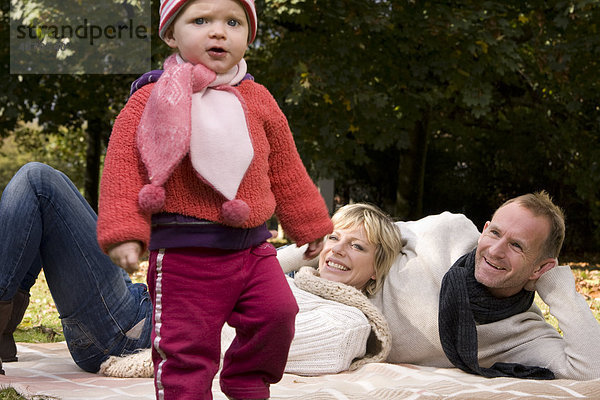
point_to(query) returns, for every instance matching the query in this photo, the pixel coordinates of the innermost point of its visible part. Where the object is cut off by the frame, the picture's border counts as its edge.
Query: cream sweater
(330, 336)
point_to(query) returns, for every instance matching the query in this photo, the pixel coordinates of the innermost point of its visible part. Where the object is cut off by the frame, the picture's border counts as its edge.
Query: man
(478, 315)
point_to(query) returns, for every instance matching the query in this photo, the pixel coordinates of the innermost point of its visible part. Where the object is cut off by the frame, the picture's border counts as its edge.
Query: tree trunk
(411, 173)
(95, 132)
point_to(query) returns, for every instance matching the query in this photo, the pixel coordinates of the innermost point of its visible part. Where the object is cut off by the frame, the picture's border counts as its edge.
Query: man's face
(509, 250)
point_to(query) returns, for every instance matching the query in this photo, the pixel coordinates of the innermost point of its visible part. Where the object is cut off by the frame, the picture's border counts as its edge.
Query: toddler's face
(211, 32)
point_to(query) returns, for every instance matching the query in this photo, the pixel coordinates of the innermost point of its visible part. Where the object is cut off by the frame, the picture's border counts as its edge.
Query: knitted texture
(170, 8)
(163, 134)
(276, 177)
(136, 365)
(328, 336)
(380, 343)
(164, 131)
(191, 110)
(464, 301)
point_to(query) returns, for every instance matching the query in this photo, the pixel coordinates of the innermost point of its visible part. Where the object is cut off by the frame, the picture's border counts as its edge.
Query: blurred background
(417, 106)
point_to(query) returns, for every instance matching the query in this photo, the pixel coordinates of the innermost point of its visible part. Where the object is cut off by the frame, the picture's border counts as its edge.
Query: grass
(8, 393)
(12, 394)
(41, 324)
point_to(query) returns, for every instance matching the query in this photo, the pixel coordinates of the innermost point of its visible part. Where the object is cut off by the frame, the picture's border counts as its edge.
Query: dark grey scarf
(464, 302)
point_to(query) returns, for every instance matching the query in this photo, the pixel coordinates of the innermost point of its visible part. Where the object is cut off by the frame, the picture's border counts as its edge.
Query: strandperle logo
(85, 30)
(80, 37)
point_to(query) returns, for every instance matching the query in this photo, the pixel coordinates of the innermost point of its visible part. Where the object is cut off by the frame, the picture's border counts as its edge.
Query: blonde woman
(337, 327)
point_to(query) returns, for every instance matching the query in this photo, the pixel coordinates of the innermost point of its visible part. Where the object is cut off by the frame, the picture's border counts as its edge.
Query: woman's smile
(348, 257)
(336, 266)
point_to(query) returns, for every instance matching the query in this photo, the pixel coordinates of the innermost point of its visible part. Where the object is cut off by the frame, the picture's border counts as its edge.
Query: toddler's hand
(126, 255)
(314, 249)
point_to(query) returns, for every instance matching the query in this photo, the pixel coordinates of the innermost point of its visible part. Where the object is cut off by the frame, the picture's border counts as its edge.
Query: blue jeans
(45, 222)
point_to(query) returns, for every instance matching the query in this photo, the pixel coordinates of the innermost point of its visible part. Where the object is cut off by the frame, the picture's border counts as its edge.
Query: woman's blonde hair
(381, 231)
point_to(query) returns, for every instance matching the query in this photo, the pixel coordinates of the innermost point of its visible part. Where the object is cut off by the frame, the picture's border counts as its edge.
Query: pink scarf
(191, 110)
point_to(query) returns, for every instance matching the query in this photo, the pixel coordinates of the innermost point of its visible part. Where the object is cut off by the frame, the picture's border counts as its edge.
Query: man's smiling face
(509, 250)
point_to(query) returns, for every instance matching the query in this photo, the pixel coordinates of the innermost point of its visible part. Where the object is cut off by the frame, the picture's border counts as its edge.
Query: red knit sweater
(276, 181)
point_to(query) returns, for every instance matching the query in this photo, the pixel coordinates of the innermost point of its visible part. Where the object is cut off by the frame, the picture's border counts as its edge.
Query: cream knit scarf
(380, 340)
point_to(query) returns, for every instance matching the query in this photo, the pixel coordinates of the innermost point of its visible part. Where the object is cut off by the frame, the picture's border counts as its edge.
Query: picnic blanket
(47, 369)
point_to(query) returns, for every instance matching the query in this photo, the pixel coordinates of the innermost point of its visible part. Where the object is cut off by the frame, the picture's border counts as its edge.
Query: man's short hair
(541, 204)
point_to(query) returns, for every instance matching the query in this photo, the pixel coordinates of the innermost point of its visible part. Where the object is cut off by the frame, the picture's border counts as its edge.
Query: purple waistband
(174, 230)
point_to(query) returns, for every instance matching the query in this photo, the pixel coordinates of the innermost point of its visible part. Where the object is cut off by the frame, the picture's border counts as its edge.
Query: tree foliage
(77, 102)
(417, 106)
(431, 105)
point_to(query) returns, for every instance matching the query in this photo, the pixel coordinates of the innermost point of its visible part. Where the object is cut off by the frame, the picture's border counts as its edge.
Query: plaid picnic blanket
(47, 369)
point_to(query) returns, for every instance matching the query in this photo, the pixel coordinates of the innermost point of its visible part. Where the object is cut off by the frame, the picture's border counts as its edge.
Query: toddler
(197, 162)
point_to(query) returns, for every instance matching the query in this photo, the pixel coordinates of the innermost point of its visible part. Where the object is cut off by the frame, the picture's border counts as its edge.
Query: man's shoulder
(440, 224)
(436, 241)
(444, 217)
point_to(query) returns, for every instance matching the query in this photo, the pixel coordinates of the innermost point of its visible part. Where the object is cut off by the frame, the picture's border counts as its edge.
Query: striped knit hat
(170, 8)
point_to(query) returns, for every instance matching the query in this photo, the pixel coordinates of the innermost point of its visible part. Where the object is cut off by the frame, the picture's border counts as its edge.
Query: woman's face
(348, 257)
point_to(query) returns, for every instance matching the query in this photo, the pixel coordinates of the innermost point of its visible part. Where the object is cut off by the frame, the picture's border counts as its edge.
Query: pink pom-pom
(151, 198)
(235, 212)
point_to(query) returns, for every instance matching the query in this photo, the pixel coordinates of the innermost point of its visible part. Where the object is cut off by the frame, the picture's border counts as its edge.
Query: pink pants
(195, 291)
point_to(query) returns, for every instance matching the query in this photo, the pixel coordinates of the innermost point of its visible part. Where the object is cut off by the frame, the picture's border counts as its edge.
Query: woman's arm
(292, 258)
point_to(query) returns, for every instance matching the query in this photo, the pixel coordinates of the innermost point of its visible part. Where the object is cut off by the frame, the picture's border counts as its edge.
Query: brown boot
(8, 348)
(5, 314)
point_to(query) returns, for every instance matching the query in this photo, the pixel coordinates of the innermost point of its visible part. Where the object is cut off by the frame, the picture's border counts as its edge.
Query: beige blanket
(47, 369)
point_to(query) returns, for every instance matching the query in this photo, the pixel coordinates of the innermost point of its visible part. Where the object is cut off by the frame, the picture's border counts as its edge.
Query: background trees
(418, 106)
(443, 105)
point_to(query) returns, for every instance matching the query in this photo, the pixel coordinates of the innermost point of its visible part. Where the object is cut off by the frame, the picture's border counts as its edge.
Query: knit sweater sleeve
(119, 217)
(577, 353)
(527, 338)
(291, 258)
(300, 207)
(409, 298)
